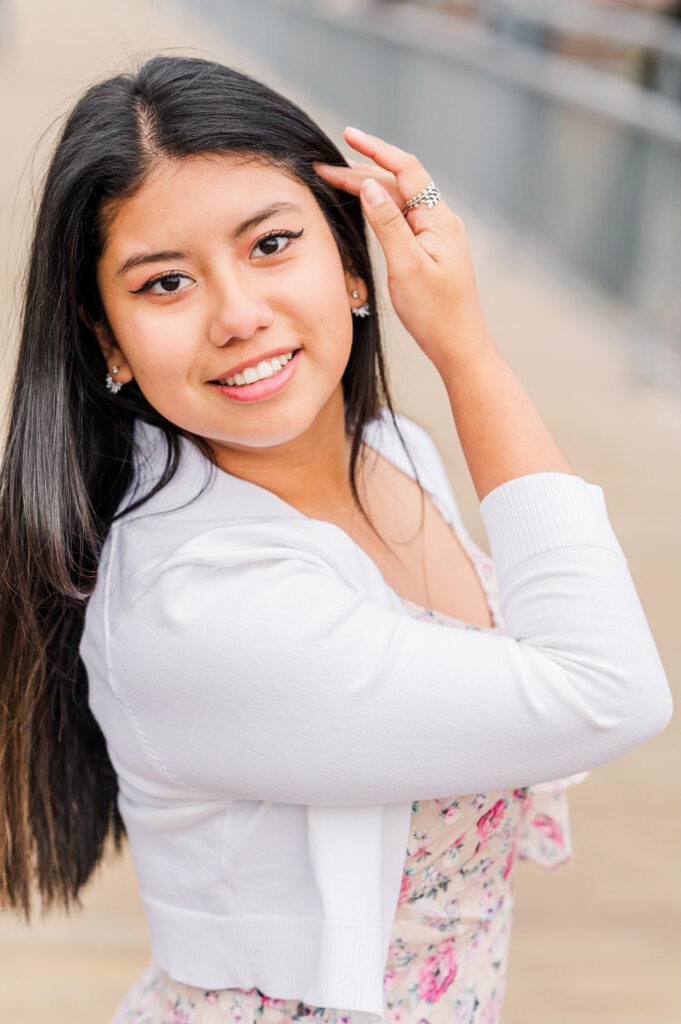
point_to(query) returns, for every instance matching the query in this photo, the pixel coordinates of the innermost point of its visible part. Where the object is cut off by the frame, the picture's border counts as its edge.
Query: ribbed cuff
(543, 511)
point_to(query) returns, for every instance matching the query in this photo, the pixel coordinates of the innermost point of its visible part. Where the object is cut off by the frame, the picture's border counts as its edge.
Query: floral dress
(449, 944)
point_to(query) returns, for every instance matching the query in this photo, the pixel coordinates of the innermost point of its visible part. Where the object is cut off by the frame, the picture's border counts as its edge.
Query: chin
(262, 435)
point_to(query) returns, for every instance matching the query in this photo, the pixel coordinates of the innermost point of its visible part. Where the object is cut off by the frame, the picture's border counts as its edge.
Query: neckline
(152, 435)
(381, 432)
(465, 543)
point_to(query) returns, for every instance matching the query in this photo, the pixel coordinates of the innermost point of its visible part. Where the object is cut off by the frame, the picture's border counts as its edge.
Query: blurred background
(554, 129)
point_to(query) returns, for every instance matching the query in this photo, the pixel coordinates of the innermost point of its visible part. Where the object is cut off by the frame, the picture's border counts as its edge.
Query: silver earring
(114, 386)
(362, 310)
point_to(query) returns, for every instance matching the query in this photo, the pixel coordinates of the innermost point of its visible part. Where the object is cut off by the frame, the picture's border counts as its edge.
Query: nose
(238, 309)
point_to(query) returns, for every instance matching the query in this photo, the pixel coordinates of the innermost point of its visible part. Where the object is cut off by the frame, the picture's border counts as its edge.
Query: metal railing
(639, 45)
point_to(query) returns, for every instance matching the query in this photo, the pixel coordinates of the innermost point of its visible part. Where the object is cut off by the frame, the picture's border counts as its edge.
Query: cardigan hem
(334, 964)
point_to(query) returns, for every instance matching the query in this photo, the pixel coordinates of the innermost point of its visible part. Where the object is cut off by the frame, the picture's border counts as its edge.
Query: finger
(351, 173)
(350, 179)
(358, 165)
(410, 175)
(392, 230)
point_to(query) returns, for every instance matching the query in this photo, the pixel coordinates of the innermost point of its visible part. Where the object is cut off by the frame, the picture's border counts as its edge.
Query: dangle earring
(362, 310)
(114, 386)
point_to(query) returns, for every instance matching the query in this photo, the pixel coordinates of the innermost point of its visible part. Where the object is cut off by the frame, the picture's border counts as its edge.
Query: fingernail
(375, 193)
(357, 131)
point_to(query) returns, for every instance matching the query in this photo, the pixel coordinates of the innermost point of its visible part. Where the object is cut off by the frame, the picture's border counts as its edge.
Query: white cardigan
(272, 710)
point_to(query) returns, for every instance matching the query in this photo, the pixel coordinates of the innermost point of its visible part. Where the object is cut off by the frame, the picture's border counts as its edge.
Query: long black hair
(68, 457)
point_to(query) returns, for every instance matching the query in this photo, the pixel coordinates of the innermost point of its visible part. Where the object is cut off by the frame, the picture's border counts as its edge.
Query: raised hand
(430, 273)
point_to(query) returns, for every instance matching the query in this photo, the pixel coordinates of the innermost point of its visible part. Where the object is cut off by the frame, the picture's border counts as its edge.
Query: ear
(99, 330)
(354, 282)
(110, 350)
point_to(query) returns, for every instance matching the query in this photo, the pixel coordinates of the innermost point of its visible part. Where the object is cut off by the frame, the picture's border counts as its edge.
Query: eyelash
(272, 234)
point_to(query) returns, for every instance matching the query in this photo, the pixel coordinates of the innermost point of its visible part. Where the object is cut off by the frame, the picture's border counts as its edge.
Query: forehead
(198, 193)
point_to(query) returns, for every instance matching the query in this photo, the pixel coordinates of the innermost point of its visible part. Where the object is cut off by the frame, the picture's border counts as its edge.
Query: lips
(261, 389)
(239, 367)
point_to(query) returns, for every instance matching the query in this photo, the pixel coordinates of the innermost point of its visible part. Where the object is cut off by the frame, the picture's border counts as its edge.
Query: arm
(258, 672)
(433, 290)
(501, 432)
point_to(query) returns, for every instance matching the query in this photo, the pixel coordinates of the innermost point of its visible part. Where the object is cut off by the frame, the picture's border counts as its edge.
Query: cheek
(328, 304)
(156, 347)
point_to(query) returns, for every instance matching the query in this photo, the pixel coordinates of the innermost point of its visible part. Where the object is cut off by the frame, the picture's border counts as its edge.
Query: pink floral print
(491, 820)
(438, 972)
(448, 952)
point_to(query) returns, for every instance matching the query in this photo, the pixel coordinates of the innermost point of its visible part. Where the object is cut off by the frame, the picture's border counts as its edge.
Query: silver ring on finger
(429, 197)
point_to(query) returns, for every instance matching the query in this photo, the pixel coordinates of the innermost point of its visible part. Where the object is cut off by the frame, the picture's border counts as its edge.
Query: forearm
(501, 432)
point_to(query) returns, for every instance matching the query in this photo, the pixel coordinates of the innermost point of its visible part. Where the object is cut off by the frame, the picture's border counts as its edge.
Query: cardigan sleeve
(256, 672)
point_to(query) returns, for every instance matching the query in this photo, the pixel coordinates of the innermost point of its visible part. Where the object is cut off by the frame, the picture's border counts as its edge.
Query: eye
(170, 283)
(270, 241)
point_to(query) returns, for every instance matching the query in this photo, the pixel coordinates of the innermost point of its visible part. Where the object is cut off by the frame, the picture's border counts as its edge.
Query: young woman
(241, 619)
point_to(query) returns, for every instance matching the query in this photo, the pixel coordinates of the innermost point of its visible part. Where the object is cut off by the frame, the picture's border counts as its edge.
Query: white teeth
(265, 368)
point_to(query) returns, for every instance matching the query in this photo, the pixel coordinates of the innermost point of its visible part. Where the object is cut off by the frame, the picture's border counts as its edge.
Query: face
(200, 277)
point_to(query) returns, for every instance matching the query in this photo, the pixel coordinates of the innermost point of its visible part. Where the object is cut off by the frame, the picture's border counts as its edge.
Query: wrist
(468, 343)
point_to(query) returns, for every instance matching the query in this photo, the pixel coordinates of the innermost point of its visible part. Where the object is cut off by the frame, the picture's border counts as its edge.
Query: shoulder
(208, 517)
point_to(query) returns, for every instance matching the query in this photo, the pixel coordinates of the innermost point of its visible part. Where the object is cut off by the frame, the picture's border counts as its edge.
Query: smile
(267, 378)
(265, 368)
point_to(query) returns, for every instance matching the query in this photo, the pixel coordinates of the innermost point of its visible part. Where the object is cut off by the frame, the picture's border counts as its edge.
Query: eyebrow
(251, 222)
